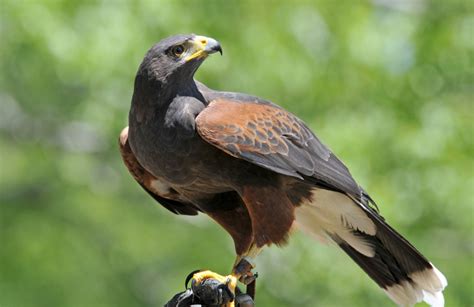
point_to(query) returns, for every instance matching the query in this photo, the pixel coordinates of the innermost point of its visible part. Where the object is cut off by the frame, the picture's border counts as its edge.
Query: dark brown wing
(267, 135)
(163, 194)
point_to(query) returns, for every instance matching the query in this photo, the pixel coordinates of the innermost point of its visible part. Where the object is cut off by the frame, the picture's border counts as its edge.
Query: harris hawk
(258, 171)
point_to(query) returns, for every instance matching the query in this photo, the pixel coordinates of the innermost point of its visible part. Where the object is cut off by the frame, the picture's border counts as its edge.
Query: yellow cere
(197, 48)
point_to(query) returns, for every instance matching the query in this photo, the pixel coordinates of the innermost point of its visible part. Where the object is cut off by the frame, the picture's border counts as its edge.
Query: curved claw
(227, 290)
(189, 277)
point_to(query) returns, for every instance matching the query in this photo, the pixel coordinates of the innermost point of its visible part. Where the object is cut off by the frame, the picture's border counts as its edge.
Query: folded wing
(267, 135)
(157, 189)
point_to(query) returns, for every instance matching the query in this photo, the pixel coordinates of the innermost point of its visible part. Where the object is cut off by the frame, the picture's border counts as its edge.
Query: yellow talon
(231, 283)
(203, 275)
(229, 280)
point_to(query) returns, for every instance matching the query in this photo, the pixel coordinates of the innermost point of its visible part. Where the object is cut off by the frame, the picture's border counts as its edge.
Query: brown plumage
(257, 170)
(250, 127)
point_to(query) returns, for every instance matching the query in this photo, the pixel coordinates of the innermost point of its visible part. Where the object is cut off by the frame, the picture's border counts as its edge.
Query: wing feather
(265, 134)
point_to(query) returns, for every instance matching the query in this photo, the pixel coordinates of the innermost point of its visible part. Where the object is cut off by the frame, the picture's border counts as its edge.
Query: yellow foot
(220, 290)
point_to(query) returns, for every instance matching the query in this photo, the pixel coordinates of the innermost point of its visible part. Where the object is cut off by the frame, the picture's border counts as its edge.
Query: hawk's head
(177, 57)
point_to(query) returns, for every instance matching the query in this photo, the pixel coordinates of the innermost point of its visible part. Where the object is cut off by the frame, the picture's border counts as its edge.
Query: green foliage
(386, 84)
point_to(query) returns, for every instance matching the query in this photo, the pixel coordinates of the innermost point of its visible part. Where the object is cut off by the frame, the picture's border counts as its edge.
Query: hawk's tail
(389, 259)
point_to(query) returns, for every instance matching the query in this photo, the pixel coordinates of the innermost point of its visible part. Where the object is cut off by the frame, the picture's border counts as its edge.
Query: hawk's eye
(177, 50)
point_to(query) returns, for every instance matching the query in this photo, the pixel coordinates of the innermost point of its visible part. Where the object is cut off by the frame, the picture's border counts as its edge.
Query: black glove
(182, 299)
(209, 293)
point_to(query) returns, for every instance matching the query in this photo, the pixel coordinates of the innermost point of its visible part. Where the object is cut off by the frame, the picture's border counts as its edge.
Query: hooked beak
(202, 47)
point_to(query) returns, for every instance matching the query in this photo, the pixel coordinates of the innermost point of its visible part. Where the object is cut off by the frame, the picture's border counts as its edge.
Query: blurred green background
(387, 84)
